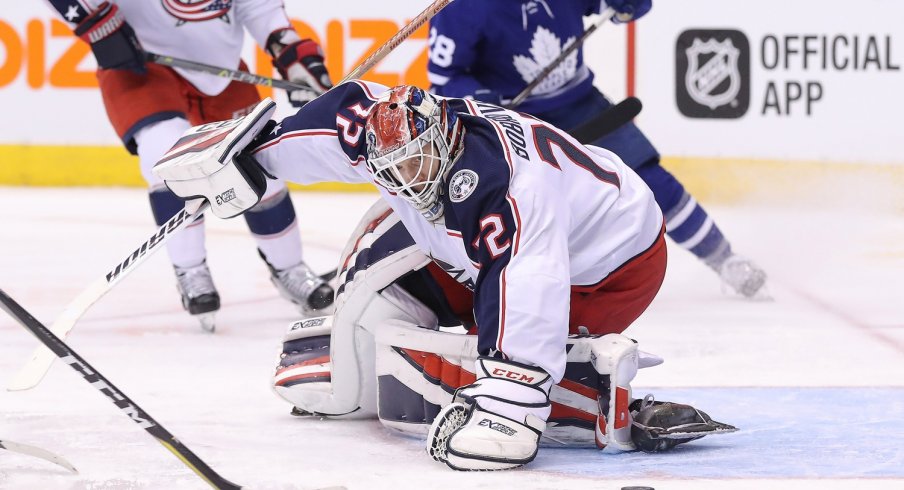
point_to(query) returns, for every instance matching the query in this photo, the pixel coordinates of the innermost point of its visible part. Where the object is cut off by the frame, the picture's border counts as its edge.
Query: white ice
(814, 379)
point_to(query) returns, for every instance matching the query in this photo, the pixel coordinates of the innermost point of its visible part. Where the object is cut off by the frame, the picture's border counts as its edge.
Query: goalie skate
(199, 296)
(660, 426)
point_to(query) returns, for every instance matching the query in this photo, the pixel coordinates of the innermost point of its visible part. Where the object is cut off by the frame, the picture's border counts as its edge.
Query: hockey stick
(254, 79)
(397, 39)
(237, 75)
(604, 16)
(37, 366)
(38, 453)
(124, 403)
(607, 121)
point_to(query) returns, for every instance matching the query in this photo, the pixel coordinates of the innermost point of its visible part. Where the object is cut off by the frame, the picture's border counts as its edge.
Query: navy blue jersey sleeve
(456, 34)
(488, 225)
(74, 11)
(341, 111)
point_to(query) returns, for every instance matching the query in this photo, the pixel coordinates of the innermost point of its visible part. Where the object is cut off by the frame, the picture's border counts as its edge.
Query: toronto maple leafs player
(552, 236)
(150, 106)
(490, 51)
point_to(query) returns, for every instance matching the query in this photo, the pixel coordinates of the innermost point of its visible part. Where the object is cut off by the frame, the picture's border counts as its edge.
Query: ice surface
(814, 379)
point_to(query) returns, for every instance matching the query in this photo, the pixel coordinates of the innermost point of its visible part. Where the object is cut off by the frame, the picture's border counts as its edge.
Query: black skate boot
(199, 296)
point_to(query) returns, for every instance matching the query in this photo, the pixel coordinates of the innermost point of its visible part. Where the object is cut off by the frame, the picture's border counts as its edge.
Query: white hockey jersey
(205, 31)
(529, 211)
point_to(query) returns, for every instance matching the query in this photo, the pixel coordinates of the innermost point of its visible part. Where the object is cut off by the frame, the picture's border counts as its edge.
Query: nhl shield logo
(462, 185)
(702, 80)
(713, 73)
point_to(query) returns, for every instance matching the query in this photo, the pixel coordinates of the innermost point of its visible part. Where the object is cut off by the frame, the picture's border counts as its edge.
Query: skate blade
(207, 321)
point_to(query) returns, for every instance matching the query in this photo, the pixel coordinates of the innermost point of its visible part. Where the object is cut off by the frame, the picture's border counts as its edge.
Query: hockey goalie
(398, 347)
(501, 225)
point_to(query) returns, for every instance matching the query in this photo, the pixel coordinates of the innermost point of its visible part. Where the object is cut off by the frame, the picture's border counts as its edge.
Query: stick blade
(38, 453)
(31, 374)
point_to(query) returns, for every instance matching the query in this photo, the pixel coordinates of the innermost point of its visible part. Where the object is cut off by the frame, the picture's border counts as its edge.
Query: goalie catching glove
(207, 162)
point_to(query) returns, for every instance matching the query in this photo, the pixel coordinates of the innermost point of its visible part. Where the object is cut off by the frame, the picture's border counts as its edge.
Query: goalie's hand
(300, 61)
(629, 10)
(112, 39)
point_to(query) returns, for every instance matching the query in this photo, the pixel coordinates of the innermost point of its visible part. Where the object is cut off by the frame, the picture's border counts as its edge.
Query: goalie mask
(413, 139)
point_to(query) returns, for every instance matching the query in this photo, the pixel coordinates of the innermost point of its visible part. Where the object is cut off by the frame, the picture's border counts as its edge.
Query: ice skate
(300, 285)
(199, 296)
(744, 277)
(660, 426)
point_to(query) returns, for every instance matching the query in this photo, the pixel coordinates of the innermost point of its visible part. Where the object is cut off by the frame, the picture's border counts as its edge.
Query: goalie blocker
(396, 348)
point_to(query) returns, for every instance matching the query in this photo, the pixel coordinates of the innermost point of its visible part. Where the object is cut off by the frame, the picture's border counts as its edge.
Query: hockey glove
(112, 39)
(629, 10)
(300, 61)
(500, 422)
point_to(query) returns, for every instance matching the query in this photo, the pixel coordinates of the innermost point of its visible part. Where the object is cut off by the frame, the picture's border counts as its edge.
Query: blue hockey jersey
(502, 45)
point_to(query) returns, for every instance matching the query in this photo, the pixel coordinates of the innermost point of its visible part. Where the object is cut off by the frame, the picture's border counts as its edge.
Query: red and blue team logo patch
(197, 10)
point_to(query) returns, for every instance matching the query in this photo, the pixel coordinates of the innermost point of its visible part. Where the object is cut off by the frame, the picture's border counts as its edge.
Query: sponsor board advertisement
(805, 80)
(770, 80)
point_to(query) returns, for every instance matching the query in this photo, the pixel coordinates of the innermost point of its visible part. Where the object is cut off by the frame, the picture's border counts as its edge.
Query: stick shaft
(396, 40)
(123, 402)
(237, 75)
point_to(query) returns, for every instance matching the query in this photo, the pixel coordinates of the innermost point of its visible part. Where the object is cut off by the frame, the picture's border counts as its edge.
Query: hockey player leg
(275, 228)
(496, 422)
(186, 249)
(691, 227)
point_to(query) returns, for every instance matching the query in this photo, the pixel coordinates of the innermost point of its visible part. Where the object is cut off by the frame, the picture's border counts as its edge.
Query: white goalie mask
(412, 140)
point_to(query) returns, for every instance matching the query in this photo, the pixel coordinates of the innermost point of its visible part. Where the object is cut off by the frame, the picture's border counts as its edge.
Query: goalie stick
(38, 365)
(515, 102)
(123, 402)
(37, 453)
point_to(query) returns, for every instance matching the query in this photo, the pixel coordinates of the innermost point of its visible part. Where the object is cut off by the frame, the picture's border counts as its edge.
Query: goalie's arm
(226, 162)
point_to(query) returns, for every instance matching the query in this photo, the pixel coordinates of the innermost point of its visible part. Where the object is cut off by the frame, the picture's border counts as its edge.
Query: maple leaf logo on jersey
(197, 10)
(544, 48)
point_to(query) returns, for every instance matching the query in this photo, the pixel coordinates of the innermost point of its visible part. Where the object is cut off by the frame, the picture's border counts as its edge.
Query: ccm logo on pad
(505, 373)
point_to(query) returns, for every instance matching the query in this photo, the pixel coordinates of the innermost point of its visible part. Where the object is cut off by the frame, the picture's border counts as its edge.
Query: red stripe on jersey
(366, 89)
(296, 134)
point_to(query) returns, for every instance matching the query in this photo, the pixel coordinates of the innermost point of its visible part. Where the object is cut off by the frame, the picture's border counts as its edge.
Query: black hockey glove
(300, 61)
(112, 39)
